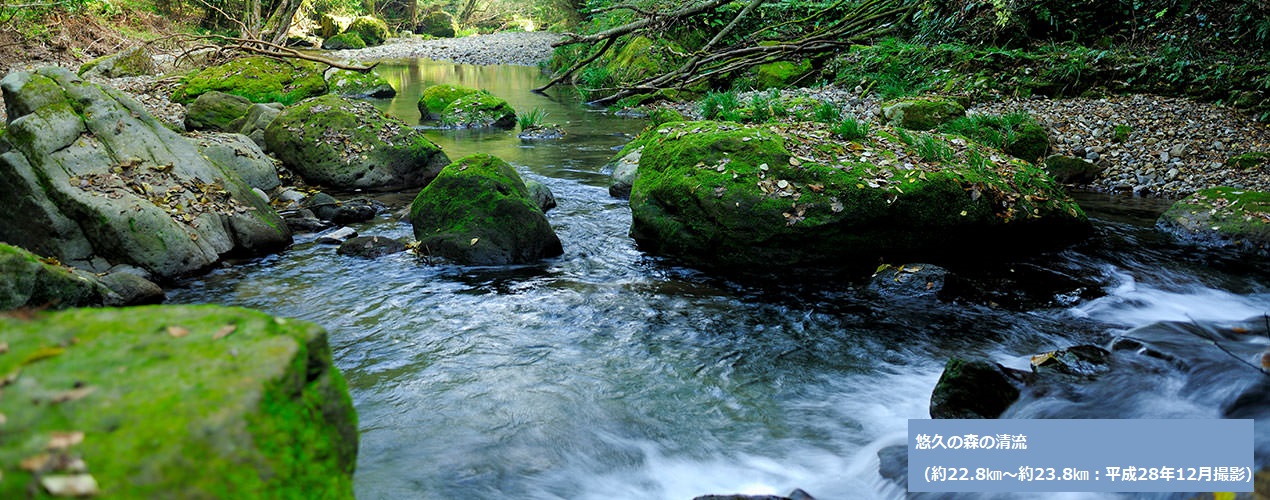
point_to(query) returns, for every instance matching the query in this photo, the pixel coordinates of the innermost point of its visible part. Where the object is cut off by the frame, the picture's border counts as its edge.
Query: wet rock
(541, 194)
(478, 211)
(1086, 361)
(908, 280)
(326, 207)
(975, 389)
(1020, 287)
(1221, 217)
(113, 183)
(303, 221)
(541, 134)
(359, 84)
(229, 386)
(479, 110)
(337, 236)
(797, 494)
(893, 464)
(323, 205)
(624, 168)
(217, 111)
(1069, 170)
(334, 142)
(922, 114)
(259, 79)
(371, 247)
(238, 154)
(433, 100)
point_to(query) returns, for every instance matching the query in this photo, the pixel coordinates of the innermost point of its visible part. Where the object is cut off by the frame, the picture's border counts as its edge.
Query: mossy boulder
(100, 182)
(922, 114)
(26, 280)
(359, 84)
(1249, 160)
(974, 389)
(724, 195)
(639, 58)
(434, 99)
(335, 142)
(217, 111)
(437, 23)
(136, 61)
(344, 41)
(1221, 217)
(371, 30)
(176, 402)
(479, 212)
(779, 74)
(1071, 170)
(259, 79)
(330, 25)
(479, 110)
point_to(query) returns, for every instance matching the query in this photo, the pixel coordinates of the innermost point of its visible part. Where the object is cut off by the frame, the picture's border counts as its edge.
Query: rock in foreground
(1221, 217)
(175, 402)
(478, 211)
(723, 195)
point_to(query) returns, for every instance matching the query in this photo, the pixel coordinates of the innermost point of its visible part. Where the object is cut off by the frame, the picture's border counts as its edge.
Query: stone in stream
(624, 168)
(797, 494)
(479, 110)
(337, 236)
(479, 212)
(1221, 217)
(214, 402)
(98, 179)
(433, 100)
(358, 84)
(371, 247)
(893, 464)
(733, 197)
(908, 280)
(541, 194)
(975, 389)
(338, 143)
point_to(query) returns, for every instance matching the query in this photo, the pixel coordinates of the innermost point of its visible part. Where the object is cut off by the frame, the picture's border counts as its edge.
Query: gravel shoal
(509, 47)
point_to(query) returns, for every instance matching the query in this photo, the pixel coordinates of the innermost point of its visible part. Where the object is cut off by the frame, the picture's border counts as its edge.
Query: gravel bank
(1175, 147)
(509, 47)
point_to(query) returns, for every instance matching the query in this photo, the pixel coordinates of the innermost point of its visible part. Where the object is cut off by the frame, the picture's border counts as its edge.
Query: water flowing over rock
(339, 143)
(371, 247)
(213, 400)
(97, 177)
(723, 195)
(478, 211)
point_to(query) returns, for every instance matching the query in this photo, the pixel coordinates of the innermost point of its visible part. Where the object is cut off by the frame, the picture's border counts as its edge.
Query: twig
(1213, 340)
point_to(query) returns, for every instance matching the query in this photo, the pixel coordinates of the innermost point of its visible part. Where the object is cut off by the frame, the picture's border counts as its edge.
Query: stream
(606, 373)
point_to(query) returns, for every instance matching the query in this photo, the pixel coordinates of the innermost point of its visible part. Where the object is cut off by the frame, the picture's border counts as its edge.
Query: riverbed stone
(372, 30)
(135, 61)
(625, 168)
(1071, 170)
(359, 84)
(434, 99)
(729, 196)
(215, 401)
(479, 110)
(97, 177)
(974, 389)
(239, 154)
(217, 111)
(922, 113)
(908, 280)
(28, 281)
(541, 194)
(344, 41)
(479, 212)
(339, 143)
(258, 118)
(1221, 217)
(257, 78)
(371, 247)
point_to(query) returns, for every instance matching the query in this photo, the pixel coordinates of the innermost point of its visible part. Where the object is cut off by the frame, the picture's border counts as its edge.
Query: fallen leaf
(816, 188)
(64, 440)
(35, 463)
(177, 331)
(224, 332)
(4, 348)
(793, 160)
(73, 485)
(43, 353)
(474, 240)
(73, 395)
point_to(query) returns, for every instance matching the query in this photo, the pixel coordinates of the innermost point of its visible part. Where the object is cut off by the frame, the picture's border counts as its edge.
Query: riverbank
(519, 48)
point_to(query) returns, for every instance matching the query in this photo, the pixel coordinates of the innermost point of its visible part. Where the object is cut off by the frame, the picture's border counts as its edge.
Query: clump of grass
(767, 106)
(720, 106)
(932, 148)
(532, 119)
(1017, 134)
(1121, 133)
(827, 112)
(851, 128)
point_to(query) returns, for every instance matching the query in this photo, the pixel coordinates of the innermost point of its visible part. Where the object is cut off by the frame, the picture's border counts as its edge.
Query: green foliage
(1121, 133)
(720, 106)
(827, 112)
(1017, 134)
(766, 106)
(531, 119)
(852, 129)
(932, 148)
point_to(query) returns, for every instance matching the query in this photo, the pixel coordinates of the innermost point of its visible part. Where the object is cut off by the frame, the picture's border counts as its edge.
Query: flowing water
(609, 374)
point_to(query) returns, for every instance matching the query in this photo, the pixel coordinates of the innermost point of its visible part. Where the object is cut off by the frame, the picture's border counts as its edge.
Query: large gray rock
(135, 61)
(1221, 217)
(334, 142)
(95, 175)
(258, 118)
(623, 176)
(217, 111)
(238, 154)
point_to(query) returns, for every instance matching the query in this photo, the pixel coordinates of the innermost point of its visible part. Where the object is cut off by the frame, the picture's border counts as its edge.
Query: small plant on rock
(532, 119)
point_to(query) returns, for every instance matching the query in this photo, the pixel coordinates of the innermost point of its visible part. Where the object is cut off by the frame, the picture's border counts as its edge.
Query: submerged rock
(908, 280)
(478, 211)
(212, 399)
(257, 78)
(723, 195)
(95, 176)
(335, 142)
(371, 247)
(1221, 217)
(974, 389)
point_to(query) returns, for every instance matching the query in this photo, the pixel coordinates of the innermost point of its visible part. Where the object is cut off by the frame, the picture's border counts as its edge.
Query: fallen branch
(259, 47)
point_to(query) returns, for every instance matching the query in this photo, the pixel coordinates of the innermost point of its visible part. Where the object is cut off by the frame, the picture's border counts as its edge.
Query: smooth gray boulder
(238, 154)
(217, 111)
(96, 176)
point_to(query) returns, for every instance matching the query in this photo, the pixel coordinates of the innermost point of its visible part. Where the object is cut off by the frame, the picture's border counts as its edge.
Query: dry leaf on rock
(224, 331)
(73, 485)
(64, 440)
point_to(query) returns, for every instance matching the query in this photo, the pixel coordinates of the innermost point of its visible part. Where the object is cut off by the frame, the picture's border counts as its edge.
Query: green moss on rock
(922, 114)
(479, 211)
(371, 30)
(135, 61)
(1070, 170)
(179, 402)
(479, 110)
(217, 111)
(1249, 160)
(359, 84)
(779, 74)
(259, 79)
(437, 23)
(332, 141)
(343, 41)
(719, 194)
(434, 99)
(1221, 217)
(26, 281)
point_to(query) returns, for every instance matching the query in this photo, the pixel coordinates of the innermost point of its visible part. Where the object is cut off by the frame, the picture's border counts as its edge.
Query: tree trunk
(280, 21)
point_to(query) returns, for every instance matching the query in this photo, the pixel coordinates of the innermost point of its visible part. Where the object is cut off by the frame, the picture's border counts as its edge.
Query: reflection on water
(609, 374)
